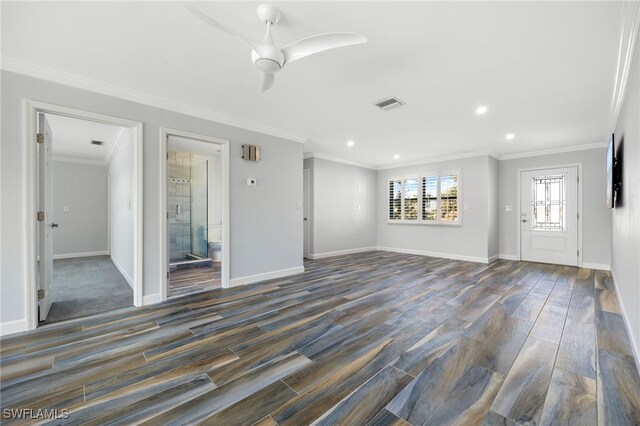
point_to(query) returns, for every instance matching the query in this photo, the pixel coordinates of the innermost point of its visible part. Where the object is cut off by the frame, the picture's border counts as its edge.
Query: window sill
(410, 222)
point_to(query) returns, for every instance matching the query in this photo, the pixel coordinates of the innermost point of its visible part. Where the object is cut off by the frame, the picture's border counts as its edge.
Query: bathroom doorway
(195, 206)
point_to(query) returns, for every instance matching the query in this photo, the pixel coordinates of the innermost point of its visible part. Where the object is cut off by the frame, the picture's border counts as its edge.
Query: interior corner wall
(121, 207)
(492, 207)
(260, 216)
(344, 207)
(596, 218)
(467, 241)
(82, 190)
(625, 229)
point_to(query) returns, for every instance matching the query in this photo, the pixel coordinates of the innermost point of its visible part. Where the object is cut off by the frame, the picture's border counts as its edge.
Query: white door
(549, 216)
(305, 212)
(45, 227)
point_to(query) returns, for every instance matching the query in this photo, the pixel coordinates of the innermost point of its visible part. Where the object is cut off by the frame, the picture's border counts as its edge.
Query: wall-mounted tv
(612, 174)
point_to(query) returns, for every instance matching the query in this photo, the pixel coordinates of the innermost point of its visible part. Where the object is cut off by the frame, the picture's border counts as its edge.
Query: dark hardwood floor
(374, 338)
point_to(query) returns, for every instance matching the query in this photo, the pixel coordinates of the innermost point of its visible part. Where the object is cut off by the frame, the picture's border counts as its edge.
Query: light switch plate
(66, 209)
(508, 208)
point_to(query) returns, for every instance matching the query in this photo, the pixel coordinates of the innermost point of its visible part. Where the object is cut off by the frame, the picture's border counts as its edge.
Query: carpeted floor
(86, 286)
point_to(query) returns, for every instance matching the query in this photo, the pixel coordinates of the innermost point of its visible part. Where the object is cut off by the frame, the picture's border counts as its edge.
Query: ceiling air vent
(99, 143)
(389, 103)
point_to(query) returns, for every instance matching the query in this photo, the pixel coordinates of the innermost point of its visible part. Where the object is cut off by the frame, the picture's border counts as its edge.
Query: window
(548, 203)
(428, 198)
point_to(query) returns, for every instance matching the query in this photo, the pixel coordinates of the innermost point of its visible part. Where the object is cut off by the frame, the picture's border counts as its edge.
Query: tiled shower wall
(179, 205)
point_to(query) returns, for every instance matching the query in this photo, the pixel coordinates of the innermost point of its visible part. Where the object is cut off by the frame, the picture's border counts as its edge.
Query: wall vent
(99, 143)
(389, 103)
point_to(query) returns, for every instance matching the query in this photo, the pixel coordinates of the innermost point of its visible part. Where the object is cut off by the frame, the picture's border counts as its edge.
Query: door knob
(524, 220)
(305, 219)
(54, 225)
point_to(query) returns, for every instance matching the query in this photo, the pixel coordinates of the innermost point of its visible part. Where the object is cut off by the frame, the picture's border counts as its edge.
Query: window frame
(420, 220)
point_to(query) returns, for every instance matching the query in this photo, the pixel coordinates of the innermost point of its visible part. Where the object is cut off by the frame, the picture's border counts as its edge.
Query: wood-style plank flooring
(194, 278)
(367, 339)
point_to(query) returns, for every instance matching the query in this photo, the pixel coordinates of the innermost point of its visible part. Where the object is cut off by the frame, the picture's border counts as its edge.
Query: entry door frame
(519, 205)
(306, 181)
(225, 266)
(31, 109)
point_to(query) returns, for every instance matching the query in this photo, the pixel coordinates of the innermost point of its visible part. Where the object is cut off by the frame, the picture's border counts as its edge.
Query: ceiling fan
(269, 58)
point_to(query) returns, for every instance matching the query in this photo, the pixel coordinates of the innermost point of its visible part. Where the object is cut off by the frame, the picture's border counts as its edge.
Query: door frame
(165, 132)
(519, 205)
(31, 109)
(306, 189)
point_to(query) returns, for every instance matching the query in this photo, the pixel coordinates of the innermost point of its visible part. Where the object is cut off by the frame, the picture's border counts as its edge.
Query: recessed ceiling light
(396, 156)
(481, 110)
(350, 143)
(510, 136)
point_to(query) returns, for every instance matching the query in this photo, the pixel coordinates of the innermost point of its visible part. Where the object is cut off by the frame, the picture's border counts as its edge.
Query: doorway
(196, 228)
(84, 180)
(549, 215)
(306, 185)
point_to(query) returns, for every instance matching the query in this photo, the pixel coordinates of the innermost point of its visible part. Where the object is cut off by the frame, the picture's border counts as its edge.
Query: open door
(45, 217)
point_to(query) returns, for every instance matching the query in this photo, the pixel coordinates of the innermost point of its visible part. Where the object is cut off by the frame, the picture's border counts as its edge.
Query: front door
(549, 216)
(45, 224)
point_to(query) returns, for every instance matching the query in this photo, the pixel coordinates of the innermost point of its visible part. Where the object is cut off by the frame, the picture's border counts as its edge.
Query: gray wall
(625, 246)
(344, 206)
(308, 163)
(260, 217)
(596, 218)
(82, 188)
(492, 207)
(469, 240)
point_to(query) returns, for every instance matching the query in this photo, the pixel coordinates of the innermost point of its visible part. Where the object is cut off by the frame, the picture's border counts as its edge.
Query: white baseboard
(635, 347)
(436, 254)
(151, 299)
(493, 258)
(340, 252)
(85, 254)
(250, 279)
(123, 272)
(508, 256)
(11, 327)
(599, 266)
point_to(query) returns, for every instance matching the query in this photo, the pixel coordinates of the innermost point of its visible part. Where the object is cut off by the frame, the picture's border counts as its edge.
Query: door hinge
(40, 138)
(578, 252)
(578, 216)
(40, 294)
(578, 179)
(167, 275)
(40, 216)
(167, 155)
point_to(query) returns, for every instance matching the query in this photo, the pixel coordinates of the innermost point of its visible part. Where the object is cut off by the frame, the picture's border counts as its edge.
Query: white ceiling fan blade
(319, 43)
(266, 81)
(210, 21)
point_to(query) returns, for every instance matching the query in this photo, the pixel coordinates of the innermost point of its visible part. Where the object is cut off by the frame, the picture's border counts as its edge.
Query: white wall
(121, 207)
(492, 208)
(344, 207)
(466, 241)
(625, 247)
(261, 217)
(596, 218)
(83, 189)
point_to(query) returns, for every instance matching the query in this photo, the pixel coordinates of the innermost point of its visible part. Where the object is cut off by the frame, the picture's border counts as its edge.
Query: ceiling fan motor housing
(268, 58)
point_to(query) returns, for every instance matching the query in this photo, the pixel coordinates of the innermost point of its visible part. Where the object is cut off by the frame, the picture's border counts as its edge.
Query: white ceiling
(546, 70)
(72, 138)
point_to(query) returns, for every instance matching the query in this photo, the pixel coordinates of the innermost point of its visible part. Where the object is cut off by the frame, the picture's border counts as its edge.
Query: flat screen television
(611, 174)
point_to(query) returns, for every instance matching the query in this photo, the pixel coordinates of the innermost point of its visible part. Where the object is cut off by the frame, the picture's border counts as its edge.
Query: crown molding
(337, 160)
(49, 74)
(439, 159)
(78, 160)
(551, 151)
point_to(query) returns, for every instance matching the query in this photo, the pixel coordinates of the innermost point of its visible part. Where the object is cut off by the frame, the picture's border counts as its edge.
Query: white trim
(451, 256)
(151, 299)
(493, 258)
(315, 256)
(598, 266)
(79, 82)
(123, 272)
(225, 145)
(508, 257)
(440, 159)
(250, 279)
(30, 110)
(85, 254)
(337, 160)
(117, 141)
(635, 346)
(519, 205)
(78, 160)
(11, 327)
(552, 151)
